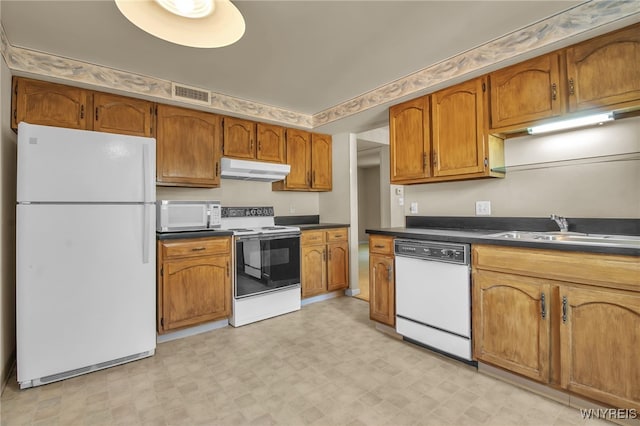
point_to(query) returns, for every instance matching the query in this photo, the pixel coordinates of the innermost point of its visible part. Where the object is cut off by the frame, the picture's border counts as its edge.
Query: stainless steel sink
(572, 238)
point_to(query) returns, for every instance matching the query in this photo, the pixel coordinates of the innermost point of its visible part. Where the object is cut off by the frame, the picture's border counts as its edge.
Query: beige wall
(7, 228)
(551, 174)
(369, 203)
(238, 193)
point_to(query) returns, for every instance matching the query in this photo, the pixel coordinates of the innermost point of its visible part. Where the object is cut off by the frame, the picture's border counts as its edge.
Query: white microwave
(176, 216)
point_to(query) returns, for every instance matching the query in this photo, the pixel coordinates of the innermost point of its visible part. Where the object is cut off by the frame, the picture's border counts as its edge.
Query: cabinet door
(409, 140)
(526, 92)
(299, 158)
(321, 157)
(338, 266)
(120, 114)
(270, 143)
(604, 71)
(314, 270)
(600, 339)
(239, 138)
(511, 323)
(382, 290)
(458, 129)
(188, 147)
(195, 290)
(49, 104)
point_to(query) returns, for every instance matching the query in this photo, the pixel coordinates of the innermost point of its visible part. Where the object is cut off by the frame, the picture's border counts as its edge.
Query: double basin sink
(572, 238)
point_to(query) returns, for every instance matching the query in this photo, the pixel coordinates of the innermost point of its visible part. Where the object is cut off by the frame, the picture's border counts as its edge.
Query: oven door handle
(263, 237)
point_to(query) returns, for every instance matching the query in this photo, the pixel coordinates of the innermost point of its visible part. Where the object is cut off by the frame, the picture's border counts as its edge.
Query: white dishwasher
(433, 295)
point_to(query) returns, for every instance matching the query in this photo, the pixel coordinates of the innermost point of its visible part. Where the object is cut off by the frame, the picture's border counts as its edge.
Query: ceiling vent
(190, 94)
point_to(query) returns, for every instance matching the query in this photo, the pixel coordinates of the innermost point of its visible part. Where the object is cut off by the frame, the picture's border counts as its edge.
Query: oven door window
(265, 264)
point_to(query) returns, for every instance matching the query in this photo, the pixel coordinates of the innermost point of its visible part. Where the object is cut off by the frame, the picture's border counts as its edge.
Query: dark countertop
(192, 234)
(482, 236)
(313, 226)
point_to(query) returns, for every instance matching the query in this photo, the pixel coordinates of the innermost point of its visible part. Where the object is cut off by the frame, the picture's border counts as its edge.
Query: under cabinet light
(570, 124)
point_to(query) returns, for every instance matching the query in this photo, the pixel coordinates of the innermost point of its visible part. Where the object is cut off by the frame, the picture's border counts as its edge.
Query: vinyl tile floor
(323, 365)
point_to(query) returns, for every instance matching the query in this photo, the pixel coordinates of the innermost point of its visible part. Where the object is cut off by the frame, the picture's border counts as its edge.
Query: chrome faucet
(561, 221)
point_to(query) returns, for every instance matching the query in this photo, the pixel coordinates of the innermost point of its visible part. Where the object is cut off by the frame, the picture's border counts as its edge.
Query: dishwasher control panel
(433, 250)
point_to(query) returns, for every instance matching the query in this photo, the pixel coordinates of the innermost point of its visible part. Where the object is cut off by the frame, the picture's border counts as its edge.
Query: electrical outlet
(413, 209)
(401, 201)
(292, 209)
(483, 208)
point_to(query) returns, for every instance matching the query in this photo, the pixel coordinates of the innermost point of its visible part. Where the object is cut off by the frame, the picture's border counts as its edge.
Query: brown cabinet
(325, 261)
(382, 289)
(511, 322)
(526, 92)
(50, 104)
(271, 141)
(310, 158)
(188, 147)
(604, 72)
(582, 338)
(600, 336)
(194, 282)
(239, 138)
(120, 114)
(410, 140)
(449, 143)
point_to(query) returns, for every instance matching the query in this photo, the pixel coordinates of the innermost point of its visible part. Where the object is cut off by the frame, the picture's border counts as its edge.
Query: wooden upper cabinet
(120, 114)
(49, 104)
(526, 92)
(188, 147)
(410, 144)
(511, 322)
(239, 138)
(271, 140)
(321, 158)
(600, 335)
(299, 158)
(604, 71)
(457, 118)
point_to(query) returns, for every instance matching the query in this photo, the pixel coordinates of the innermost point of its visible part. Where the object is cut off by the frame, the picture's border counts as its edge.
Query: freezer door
(85, 288)
(66, 165)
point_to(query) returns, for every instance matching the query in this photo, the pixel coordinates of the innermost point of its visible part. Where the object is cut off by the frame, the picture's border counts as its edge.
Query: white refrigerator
(85, 249)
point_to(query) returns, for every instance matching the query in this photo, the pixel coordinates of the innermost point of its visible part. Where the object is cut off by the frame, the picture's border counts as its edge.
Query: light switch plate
(413, 209)
(483, 208)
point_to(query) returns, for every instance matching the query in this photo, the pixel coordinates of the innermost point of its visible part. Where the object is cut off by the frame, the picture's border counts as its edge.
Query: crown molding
(536, 37)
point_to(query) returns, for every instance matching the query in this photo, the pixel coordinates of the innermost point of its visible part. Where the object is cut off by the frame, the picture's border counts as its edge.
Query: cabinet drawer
(381, 244)
(312, 237)
(340, 234)
(197, 247)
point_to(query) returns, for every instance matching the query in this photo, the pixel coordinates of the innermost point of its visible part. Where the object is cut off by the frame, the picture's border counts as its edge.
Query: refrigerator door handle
(146, 169)
(146, 232)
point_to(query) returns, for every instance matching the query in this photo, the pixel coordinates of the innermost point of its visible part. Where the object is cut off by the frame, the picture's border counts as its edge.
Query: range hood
(253, 170)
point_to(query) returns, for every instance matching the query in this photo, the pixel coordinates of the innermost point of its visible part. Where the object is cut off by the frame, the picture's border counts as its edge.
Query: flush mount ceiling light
(570, 124)
(194, 23)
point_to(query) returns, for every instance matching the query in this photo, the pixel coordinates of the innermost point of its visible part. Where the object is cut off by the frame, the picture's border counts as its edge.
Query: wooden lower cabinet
(382, 288)
(325, 261)
(511, 322)
(600, 336)
(194, 282)
(584, 338)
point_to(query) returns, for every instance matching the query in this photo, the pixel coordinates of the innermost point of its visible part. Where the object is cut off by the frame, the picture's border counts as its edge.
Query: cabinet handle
(378, 246)
(389, 271)
(198, 248)
(313, 178)
(81, 111)
(259, 146)
(543, 302)
(251, 144)
(227, 268)
(572, 87)
(554, 92)
(216, 169)
(97, 113)
(564, 309)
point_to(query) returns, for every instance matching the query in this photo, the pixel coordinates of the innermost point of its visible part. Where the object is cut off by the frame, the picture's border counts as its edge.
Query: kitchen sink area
(610, 240)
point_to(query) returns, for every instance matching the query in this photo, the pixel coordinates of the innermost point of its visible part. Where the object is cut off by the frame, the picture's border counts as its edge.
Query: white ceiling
(304, 56)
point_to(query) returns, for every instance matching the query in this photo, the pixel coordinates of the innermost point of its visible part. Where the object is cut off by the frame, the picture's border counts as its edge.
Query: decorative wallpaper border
(581, 18)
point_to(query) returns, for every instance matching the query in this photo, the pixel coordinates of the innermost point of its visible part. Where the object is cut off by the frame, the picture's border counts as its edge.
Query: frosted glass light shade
(223, 26)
